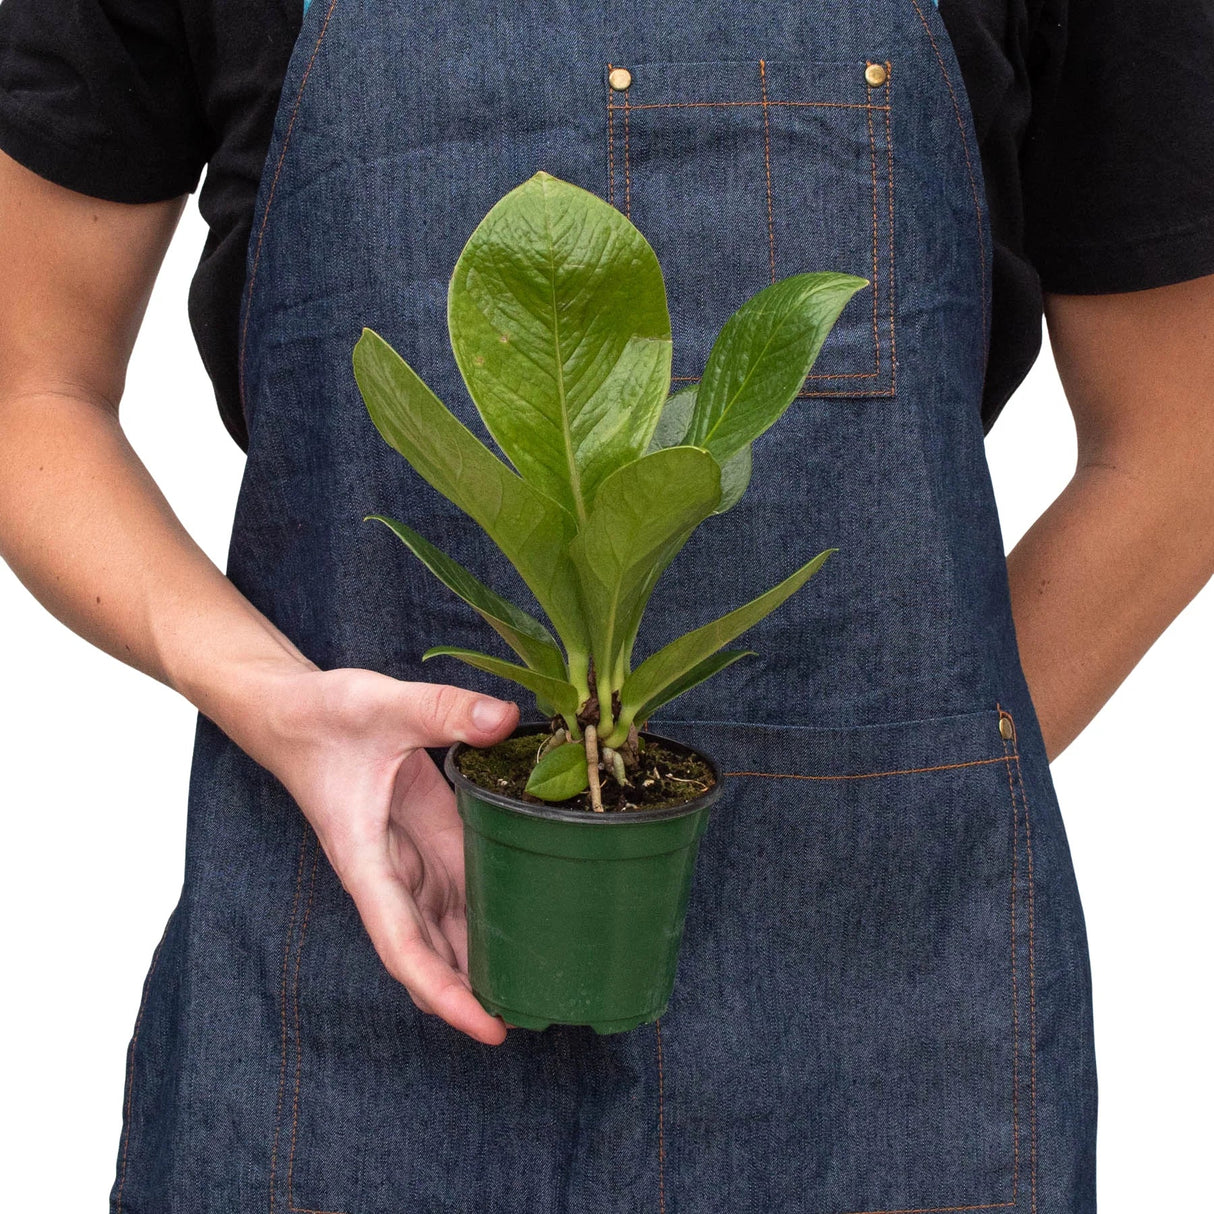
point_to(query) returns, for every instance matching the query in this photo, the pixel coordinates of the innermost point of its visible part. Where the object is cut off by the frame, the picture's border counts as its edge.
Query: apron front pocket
(854, 993)
(744, 172)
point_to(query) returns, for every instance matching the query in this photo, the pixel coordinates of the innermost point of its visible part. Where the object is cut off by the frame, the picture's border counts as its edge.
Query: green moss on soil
(663, 778)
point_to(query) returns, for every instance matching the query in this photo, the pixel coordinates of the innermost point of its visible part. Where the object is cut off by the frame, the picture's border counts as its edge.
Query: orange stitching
(244, 331)
(889, 180)
(874, 392)
(994, 1205)
(872, 156)
(657, 1024)
(130, 1064)
(843, 375)
(868, 775)
(1015, 985)
(965, 147)
(892, 390)
(771, 230)
(824, 375)
(610, 142)
(1015, 999)
(691, 105)
(814, 395)
(1028, 841)
(282, 1007)
(627, 163)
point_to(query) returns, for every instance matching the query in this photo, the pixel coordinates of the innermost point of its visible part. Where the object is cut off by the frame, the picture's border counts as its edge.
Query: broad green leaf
(558, 319)
(697, 674)
(675, 660)
(761, 357)
(673, 425)
(735, 476)
(561, 773)
(562, 696)
(674, 419)
(522, 632)
(631, 625)
(642, 515)
(531, 529)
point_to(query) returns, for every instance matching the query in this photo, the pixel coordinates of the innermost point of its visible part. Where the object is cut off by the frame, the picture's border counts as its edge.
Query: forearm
(87, 530)
(1098, 578)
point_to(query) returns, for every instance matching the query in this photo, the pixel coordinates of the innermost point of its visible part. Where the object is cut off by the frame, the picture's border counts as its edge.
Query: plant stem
(578, 668)
(579, 673)
(618, 735)
(592, 767)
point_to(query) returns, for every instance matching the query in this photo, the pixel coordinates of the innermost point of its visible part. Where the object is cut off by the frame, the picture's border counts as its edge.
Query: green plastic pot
(576, 917)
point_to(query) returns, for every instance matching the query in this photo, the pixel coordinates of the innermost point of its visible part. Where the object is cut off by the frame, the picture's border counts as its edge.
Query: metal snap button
(1005, 728)
(875, 73)
(619, 78)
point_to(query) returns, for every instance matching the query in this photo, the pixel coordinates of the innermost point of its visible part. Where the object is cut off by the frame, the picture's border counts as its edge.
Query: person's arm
(1130, 540)
(86, 529)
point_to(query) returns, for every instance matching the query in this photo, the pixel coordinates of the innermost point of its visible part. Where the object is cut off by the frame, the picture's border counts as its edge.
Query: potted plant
(581, 829)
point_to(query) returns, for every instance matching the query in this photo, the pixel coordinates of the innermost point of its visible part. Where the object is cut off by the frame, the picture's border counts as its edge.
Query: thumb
(439, 714)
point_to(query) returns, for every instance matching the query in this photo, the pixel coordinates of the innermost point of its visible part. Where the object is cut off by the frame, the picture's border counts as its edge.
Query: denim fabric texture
(883, 999)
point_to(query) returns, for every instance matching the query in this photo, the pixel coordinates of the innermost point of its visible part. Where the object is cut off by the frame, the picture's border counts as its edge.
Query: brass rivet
(1005, 728)
(874, 74)
(619, 78)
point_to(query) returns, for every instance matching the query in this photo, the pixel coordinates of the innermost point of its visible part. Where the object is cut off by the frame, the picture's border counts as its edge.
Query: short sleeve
(98, 96)
(1118, 159)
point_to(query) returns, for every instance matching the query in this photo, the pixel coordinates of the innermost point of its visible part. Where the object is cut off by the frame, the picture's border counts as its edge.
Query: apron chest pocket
(742, 173)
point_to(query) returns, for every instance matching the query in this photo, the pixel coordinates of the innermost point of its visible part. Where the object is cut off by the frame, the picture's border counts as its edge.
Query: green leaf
(643, 514)
(673, 425)
(531, 529)
(761, 357)
(678, 658)
(674, 419)
(522, 632)
(562, 696)
(560, 774)
(735, 476)
(697, 674)
(558, 320)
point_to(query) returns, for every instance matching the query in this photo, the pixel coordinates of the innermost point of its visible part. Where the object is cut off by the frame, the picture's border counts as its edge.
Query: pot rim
(532, 809)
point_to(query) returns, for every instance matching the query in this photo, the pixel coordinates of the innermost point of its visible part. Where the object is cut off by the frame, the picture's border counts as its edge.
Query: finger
(402, 940)
(438, 714)
(442, 946)
(453, 931)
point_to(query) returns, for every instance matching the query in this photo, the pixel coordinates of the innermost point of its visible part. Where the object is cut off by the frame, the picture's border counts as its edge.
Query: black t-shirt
(1095, 122)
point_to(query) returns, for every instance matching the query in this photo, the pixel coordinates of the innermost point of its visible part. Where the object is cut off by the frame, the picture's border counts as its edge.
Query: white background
(94, 764)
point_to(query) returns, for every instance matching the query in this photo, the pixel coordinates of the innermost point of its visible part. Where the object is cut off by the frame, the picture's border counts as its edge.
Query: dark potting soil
(662, 778)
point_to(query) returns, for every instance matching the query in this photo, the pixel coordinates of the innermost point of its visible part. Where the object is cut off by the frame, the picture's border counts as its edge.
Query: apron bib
(882, 1002)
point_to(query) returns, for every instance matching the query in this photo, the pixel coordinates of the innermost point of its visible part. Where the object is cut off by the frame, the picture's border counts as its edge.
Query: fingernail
(489, 714)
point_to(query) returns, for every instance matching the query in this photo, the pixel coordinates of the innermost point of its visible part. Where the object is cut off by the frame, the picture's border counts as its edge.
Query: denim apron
(882, 1002)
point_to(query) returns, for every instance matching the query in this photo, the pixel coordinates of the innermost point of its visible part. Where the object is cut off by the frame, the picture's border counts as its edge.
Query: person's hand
(348, 746)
